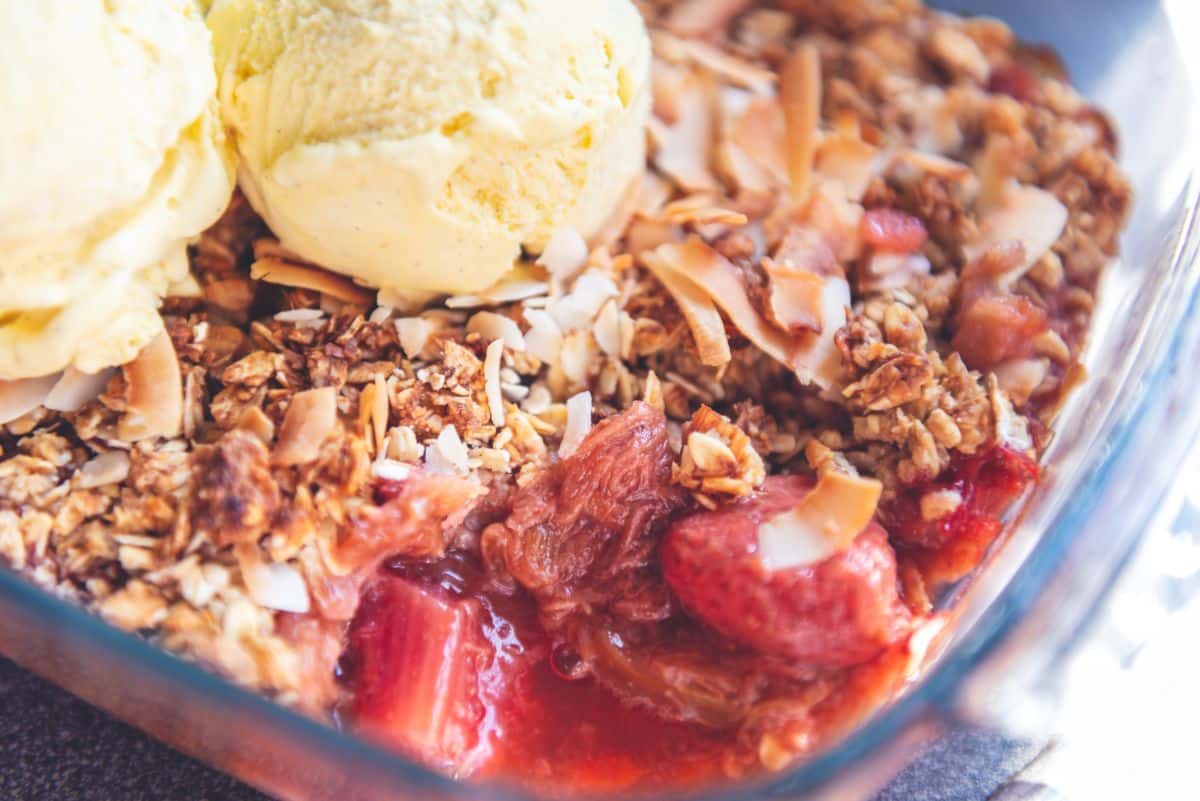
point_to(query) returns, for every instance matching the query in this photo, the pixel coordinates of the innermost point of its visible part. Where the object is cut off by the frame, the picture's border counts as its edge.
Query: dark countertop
(54, 747)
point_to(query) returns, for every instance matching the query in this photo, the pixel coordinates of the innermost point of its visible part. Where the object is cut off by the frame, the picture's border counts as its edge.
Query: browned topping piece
(236, 497)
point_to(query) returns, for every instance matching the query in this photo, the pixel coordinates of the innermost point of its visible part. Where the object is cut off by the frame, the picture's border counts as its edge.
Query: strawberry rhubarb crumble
(660, 508)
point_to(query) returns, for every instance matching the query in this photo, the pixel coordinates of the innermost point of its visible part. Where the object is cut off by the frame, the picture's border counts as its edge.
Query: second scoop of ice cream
(417, 145)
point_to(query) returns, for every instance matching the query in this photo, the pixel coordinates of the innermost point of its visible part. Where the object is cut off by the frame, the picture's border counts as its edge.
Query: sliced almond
(20, 397)
(277, 271)
(154, 403)
(414, 334)
(310, 419)
(800, 96)
(825, 522)
(565, 254)
(579, 424)
(491, 382)
(105, 469)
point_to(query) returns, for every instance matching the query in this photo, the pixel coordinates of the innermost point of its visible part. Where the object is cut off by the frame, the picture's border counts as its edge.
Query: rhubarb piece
(594, 518)
(841, 611)
(417, 663)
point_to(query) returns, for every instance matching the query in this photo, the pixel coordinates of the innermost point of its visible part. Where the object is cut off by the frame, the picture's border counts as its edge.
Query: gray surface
(54, 747)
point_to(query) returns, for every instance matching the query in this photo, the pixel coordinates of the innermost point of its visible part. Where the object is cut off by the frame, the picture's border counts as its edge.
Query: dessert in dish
(677, 498)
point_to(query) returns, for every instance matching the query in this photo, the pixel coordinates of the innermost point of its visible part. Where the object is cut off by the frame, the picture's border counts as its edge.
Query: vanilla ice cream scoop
(111, 158)
(419, 144)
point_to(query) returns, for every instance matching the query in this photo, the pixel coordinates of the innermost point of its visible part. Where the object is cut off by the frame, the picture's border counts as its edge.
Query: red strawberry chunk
(993, 330)
(839, 612)
(417, 663)
(893, 231)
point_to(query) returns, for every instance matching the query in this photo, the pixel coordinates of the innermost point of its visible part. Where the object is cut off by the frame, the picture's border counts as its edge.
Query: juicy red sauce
(539, 725)
(459, 674)
(988, 483)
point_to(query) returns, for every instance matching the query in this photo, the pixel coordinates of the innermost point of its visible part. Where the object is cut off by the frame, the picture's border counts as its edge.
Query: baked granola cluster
(868, 241)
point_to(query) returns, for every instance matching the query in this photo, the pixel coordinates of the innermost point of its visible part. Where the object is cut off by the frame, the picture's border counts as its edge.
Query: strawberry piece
(993, 330)
(418, 656)
(842, 611)
(893, 231)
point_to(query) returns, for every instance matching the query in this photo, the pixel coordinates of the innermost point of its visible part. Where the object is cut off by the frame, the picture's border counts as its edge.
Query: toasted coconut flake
(447, 455)
(575, 360)
(800, 96)
(255, 421)
(708, 329)
(20, 397)
(311, 417)
(565, 254)
(683, 149)
(729, 68)
(491, 381)
(277, 271)
(414, 334)
(154, 404)
(824, 523)
(796, 300)
(1029, 215)
(653, 194)
(814, 357)
(850, 161)
(760, 131)
(614, 227)
(519, 283)
(579, 423)
(107, 468)
(719, 279)
(276, 586)
(699, 210)
(933, 164)
(1021, 378)
(492, 326)
(698, 18)
(544, 339)
(76, 389)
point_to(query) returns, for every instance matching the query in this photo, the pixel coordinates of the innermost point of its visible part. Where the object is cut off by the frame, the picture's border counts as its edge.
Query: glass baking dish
(1114, 455)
